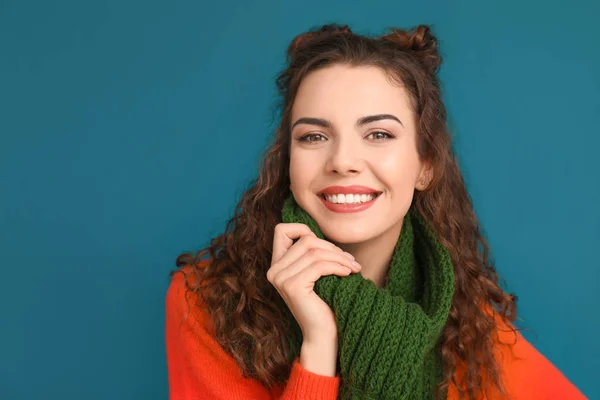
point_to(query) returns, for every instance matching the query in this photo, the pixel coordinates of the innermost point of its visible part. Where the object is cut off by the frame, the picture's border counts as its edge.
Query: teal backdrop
(129, 129)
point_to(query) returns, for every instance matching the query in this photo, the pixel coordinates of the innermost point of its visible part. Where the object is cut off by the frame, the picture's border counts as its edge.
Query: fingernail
(350, 256)
(356, 264)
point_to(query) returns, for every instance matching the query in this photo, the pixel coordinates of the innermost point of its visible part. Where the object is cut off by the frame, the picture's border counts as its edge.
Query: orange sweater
(199, 369)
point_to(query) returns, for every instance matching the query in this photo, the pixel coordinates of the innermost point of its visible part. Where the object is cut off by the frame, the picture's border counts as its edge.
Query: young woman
(354, 266)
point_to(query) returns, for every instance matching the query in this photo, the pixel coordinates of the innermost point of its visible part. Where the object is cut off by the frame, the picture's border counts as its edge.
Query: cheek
(302, 171)
(398, 170)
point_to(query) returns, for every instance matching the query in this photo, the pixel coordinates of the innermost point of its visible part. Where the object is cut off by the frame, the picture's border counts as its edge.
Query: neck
(375, 255)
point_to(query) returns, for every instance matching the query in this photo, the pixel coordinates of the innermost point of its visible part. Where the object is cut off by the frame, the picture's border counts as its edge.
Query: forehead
(341, 91)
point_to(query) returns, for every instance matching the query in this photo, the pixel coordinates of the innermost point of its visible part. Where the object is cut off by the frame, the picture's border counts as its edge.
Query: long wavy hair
(251, 321)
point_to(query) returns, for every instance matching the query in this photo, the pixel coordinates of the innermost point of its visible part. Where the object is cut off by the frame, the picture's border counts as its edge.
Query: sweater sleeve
(198, 368)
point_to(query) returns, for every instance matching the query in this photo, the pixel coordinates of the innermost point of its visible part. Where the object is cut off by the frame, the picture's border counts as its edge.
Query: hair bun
(421, 42)
(319, 33)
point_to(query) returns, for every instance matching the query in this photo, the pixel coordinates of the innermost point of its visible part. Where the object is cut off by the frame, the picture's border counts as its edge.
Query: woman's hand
(295, 267)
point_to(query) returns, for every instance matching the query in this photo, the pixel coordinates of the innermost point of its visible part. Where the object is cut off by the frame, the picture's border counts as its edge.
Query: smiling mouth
(350, 198)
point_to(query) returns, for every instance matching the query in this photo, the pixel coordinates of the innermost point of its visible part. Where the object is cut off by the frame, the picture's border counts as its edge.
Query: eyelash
(305, 138)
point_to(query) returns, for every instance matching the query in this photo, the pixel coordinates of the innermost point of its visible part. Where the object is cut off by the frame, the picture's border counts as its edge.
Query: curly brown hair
(251, 321)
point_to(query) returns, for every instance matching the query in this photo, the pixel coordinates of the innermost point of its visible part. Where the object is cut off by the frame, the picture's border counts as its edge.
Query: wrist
(320, 357)
(320, 336)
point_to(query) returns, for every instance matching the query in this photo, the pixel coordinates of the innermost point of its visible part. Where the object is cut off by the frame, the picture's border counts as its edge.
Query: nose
(344, 158)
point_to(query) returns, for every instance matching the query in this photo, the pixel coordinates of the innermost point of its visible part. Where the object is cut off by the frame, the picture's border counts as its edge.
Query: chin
(346, 236)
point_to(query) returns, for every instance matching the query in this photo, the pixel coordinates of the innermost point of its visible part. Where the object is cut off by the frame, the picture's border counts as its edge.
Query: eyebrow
(360, 122)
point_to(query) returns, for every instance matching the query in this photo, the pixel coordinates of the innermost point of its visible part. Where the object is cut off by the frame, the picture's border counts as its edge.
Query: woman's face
(336, 144)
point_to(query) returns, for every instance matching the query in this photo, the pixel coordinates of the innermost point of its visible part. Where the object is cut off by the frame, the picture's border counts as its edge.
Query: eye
(312, 137)
(380, 135)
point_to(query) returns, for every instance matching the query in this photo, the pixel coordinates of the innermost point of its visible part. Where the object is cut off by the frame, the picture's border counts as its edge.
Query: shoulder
(525, 371)
(182, 302)
(185, 277)
(198, 367)
(181, 281)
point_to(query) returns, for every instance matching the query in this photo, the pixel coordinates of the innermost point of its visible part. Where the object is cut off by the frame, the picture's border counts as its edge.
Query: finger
(302, 246)
(284, 237)
(306, 278)
(312, 256)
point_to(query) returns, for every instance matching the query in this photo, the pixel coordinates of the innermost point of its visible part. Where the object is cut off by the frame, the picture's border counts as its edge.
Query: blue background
(130, 129)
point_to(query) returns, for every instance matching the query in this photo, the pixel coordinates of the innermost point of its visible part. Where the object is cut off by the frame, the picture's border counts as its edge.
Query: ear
(425, 176)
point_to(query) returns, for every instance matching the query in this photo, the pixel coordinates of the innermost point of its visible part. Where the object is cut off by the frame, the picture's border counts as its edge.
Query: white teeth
(349, 198)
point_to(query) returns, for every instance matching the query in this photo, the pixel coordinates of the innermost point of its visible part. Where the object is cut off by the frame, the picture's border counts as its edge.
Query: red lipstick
(348, 208)
(354, 189)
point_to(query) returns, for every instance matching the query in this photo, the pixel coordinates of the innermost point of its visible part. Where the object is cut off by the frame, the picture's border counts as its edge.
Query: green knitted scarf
(388, 338)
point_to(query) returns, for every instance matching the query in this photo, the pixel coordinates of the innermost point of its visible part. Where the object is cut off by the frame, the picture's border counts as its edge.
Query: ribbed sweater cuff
(306, 385)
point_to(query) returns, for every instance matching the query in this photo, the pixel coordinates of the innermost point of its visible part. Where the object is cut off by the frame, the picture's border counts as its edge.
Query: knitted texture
(388, 337)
